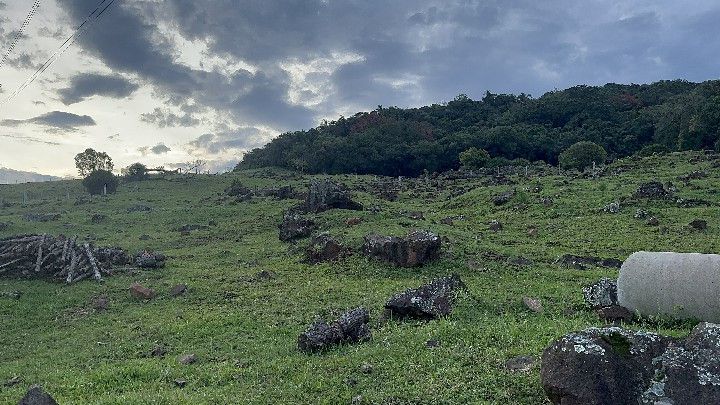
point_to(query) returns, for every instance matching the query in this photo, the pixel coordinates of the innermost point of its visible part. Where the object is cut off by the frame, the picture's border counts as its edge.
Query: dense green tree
(91, 160)
(134, 172)
(100, 182)
(474, 158)
(582, 155)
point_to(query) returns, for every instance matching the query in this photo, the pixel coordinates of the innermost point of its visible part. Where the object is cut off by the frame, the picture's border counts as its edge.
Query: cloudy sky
(169, 81)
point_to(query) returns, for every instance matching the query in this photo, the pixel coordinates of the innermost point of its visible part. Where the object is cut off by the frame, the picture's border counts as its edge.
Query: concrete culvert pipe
(682, 285)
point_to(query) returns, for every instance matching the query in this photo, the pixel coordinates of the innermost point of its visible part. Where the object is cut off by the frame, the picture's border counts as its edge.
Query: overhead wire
(19, 33)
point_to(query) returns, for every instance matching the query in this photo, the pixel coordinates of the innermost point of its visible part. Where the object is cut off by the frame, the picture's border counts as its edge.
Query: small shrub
(99, 181)
(474, 158)
(582, 155)
(135, 172)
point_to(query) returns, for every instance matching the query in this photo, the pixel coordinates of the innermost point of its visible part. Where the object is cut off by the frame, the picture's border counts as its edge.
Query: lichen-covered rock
(600, 366)
(150, 260)
(351, 327)
(326, 194)
(294, 226)
(324, 248)
(653, 190)
(503, 198)
(601, 294)
(612, 208)
(417, 248)
(430, 301)
(37, 396)
(114, 256)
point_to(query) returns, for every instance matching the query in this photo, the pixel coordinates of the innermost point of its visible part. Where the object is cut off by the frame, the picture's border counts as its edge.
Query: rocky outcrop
(430, 301)
(652, 190)
(601, 294)
(581, 262)
(37, 396)
(327, 194)
(150, 260)
(325, 248)
(616, 366)
(351, 327)
(294, 226)
(416, 249)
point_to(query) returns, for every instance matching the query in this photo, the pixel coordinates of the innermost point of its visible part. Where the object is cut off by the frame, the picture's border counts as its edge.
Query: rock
(520, 261)
(692, 202)
(533, 304)
(600, 366)
(113, 256)
(698, 224)
(601, 294)
(350, 327)
(652, 190)
(615, 366)
(432, 343)
(326, 194)
(416, 249)
(178, 290)
(503, 198)
(237, 189)
(11, 294)
(98, 218)
(193, 227)
(447, 221)
(140, 292)
(495, 226)
(547, 201)
(139, 208)
(12, 382)
(324, 248)
(641, 214)
(353, 221)
(295, 227)
(37, 396)
(158, 351)
(101, 303)
(366, 368)
(612, 208)
(581, 262)
(144, 237)
(149, 260)
(614, 313)
(187, 359)
(179, 382)
(416, 215)
(430, 301)
(31, 217)
(653, 221)
(356, 400)
(521, 364)
(695, 175)
(264, 275)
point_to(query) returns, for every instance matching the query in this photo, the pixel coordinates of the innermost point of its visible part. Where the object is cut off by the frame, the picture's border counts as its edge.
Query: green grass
(244, 331)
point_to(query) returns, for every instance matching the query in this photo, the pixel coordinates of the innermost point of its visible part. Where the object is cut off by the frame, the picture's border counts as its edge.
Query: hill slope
(243, 328)
(10, 176)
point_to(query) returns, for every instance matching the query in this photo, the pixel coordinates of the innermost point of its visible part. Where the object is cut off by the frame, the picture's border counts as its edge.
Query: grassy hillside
(244, 329)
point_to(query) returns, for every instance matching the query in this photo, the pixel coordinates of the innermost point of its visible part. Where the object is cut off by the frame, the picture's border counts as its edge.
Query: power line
(19, 33)
(101, 8)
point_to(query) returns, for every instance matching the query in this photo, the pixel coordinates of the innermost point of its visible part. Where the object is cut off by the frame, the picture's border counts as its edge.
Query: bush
(474, 158)
(582, 155)
(100, 180)
(653, 149)
(135, 172)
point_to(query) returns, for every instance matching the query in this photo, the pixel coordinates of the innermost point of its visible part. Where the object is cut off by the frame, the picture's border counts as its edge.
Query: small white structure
(682, 285)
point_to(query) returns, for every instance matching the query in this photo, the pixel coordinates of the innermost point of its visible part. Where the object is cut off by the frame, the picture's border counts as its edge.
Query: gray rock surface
(416, 249)
(430, 301)
(351, 327)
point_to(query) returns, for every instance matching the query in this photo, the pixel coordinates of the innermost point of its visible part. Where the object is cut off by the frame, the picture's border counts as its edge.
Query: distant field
(244, 330)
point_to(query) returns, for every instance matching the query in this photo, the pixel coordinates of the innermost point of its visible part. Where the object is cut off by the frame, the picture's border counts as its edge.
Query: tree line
(513, 129)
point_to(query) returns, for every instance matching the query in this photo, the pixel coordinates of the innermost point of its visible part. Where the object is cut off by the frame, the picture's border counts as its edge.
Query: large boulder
(324, 248)
(416, 249)
(430, 301)
(327, 194)
(150, 260)
(294, 226)
(601, 294)
(616, 366)
(652, 190)
(351, 327)
(36, 396)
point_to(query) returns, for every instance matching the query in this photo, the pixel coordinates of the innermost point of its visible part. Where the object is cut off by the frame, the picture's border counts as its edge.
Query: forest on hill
(663, 116)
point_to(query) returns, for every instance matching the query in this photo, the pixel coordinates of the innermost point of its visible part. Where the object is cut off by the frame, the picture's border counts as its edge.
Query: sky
(167, 82)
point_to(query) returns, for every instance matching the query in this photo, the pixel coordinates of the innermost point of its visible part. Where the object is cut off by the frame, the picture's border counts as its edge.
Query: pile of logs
(59, 258)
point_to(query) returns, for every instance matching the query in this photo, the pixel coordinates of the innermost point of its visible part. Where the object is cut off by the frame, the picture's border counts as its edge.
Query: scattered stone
(366, 368)
(612, 208)
(653, 221)
(695, 175)
(416, 249)
(179, 382)
(101, 303)
(495, 226)
(615, 313)
(416, 215)
(430, 301)
(37, 396)
(692, 203)
(193, 227)
(178, 290)
(12, 382)
(265, 275)
(533, 304)
(353, 221)
(432, 343)
(356, 400)
(521, 364)
(547, 201)
(11, 294)
(144, 237)
(158, 351)
(503, 198)
(641, 214)
(601, 294)
(324, 248)
(350, 327)
(581, 262)
(98, 218)
(447, 221)
(652, 190)
(699, 224)
(295, 227)
(187, 359)
(520, 261)
(139, 208)
(615, 366)
(140, 292)
(150, 260)
(326, 194)
(31, 217)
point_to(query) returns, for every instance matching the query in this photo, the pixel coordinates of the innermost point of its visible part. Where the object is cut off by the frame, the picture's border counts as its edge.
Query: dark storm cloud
(162, 119)
(55, 120)
(239, 139)
(94, 84)
(411, 52)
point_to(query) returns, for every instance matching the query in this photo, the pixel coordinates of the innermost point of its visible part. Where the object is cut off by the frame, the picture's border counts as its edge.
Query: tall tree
(90, 160)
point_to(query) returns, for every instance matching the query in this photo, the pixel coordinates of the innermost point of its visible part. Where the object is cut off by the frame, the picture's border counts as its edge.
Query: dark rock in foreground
(601, 294)
(417, 248)
(698, 224)
(326, 194)
(295, 227)
(36, 396)
(350, 327)
(430, 301)
(652, 190)
(324, 248)
(616, 366)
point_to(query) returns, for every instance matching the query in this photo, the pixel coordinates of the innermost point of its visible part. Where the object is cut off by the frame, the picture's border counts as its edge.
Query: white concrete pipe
(682, 285)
